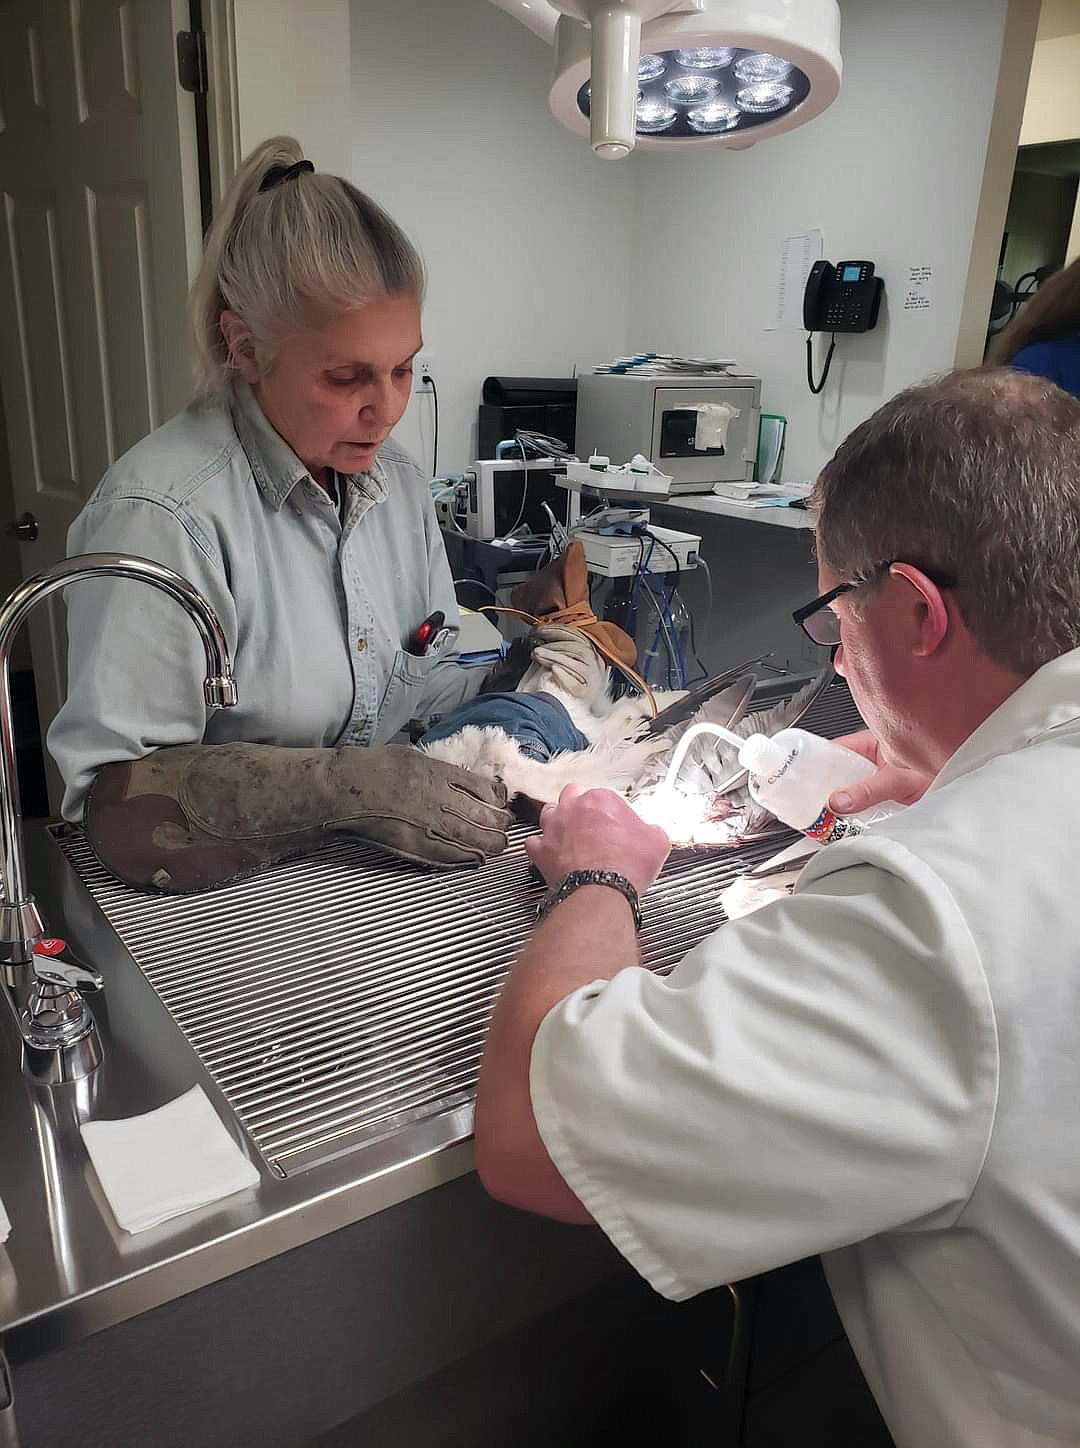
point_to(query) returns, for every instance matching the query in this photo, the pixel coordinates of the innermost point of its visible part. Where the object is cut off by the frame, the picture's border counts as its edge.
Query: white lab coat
(884, 1068)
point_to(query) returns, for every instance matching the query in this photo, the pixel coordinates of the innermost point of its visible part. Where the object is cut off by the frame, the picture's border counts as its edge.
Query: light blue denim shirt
(316, 612)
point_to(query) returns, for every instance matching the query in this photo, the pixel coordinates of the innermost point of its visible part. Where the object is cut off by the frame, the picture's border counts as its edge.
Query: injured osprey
(561, 724)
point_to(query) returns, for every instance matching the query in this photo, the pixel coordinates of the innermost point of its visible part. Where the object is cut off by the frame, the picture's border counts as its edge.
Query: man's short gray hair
(976, 474)
(290, 257)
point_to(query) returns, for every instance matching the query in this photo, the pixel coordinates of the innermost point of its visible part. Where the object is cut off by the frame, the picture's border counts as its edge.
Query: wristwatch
(576, 878)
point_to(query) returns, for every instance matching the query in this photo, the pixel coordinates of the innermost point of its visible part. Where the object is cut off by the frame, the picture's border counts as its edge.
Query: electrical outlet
(423, 366)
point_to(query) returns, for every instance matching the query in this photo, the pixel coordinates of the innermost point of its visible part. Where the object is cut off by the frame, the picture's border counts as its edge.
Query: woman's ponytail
(306, 247)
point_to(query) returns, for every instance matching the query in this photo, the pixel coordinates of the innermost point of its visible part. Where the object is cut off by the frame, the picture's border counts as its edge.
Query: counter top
(67, 1269)
(706, 503)
(728, 508)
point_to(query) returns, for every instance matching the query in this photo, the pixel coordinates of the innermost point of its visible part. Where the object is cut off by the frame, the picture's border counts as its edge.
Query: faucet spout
(20, 923)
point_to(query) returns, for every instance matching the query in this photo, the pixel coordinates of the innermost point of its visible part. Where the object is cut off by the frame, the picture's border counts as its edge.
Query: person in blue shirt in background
(1044, 336)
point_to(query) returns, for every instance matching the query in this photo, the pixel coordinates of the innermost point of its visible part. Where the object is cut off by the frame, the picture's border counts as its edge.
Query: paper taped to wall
(798, 255)
(917, 294)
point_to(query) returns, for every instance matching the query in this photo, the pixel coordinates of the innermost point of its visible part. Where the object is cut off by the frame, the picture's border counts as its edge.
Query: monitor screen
(542, 488)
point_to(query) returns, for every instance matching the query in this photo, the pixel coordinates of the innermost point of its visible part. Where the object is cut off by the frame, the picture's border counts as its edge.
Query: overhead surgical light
(705, 57)
(651, 66)
(670, 74)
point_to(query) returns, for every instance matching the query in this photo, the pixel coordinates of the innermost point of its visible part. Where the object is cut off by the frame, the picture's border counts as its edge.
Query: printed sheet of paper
(798, 255)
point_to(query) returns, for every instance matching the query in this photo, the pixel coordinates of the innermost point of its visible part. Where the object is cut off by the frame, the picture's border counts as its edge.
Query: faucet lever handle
(56, 964)
(60, 1038)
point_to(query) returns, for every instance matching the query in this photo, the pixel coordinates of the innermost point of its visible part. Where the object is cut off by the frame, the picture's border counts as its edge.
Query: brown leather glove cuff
(194, 816)
(145, 827)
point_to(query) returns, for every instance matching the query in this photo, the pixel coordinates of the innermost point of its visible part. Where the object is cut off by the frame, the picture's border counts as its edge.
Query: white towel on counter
(5, 1225)
(166, 1162)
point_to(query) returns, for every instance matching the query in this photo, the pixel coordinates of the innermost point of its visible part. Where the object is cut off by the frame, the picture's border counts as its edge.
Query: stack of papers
(660, 364)
(762, 495)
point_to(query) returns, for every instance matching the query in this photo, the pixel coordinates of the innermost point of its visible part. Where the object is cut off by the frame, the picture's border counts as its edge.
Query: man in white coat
(884, 1068)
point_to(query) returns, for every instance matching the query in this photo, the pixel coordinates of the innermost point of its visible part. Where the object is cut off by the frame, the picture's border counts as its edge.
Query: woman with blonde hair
(280, 494)
(1044, 336)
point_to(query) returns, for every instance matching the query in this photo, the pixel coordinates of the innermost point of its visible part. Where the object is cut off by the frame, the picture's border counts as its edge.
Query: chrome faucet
(58, 1031)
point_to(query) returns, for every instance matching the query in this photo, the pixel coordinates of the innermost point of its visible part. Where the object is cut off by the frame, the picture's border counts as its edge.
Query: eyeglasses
(822, 626)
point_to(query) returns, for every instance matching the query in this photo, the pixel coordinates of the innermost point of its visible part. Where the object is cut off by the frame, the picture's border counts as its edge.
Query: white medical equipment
(499, 495)
(619, 555)
(697, 430)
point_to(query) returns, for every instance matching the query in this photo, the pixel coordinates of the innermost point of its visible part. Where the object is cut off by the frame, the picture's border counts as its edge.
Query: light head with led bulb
(665, 75)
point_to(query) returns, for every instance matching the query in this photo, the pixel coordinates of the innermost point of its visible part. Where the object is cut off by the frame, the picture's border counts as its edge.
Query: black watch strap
(574, 881)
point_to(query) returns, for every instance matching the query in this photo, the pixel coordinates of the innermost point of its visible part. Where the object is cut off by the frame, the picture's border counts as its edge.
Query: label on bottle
(828, 827)
(785, 766)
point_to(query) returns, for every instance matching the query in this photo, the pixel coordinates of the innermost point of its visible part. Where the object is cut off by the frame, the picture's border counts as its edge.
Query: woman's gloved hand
(195, 816)
(565, 659)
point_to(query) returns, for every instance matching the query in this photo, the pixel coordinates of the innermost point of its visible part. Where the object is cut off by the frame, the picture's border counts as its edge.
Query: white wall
(292, 62)
(526, 237)
(891, 172)
(1053, 105)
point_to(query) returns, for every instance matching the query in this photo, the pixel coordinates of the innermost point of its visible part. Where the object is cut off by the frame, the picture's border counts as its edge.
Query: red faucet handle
(50, 945)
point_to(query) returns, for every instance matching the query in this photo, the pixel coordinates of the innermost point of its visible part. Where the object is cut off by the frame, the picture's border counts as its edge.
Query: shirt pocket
(405, 689)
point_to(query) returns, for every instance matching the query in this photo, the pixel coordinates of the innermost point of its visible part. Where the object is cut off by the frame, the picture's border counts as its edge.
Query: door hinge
(191, 61)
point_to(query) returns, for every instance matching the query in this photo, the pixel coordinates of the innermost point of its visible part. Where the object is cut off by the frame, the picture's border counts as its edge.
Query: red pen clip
(421, 639)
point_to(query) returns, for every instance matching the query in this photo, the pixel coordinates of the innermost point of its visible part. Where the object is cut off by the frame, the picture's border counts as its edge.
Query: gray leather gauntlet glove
(567, 659)
(197, 815)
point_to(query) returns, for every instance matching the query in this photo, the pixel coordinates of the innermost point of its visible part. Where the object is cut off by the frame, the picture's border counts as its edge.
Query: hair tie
(277, 174)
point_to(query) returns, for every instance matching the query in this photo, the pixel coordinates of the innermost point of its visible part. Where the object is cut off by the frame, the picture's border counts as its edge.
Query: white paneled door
(99, 207)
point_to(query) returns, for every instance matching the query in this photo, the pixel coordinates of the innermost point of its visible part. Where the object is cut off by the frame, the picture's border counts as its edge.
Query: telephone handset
(842, 298)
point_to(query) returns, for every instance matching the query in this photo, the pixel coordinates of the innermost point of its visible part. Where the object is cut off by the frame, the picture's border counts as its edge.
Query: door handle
(24, 528)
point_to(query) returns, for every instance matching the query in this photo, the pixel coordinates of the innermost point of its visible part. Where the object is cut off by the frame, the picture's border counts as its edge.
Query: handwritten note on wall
(917, 296)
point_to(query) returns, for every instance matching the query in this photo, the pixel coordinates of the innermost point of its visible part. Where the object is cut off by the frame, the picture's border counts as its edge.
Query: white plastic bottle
(793, 773)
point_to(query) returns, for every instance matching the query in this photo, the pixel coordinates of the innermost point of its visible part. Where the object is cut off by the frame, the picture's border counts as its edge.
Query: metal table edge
(96, 1275)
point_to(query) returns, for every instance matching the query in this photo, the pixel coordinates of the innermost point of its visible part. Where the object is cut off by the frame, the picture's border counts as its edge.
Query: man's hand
(596, 829)
(891, 782)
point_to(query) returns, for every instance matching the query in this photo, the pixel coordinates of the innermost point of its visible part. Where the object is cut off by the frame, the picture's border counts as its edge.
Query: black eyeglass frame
(802, 615)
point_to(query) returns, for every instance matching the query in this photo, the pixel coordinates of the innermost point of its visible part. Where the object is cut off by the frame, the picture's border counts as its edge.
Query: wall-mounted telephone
(841, 298)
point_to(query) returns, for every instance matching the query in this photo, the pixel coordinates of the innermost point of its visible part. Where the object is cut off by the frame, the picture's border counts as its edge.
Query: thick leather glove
(565, 659)
(195, 816)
